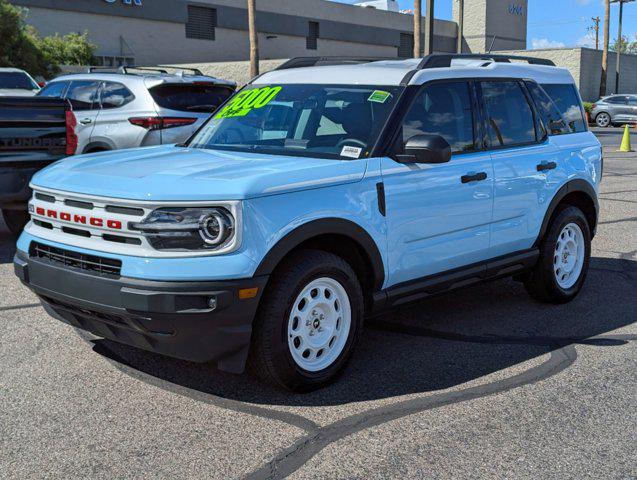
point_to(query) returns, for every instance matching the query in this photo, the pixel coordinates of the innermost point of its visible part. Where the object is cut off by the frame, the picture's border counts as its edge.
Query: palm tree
(417, 27)
(602, 83)
(254, 39)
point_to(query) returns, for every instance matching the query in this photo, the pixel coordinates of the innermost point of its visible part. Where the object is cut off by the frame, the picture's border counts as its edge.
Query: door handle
(474, 177)
(546, 166)
(86, 121)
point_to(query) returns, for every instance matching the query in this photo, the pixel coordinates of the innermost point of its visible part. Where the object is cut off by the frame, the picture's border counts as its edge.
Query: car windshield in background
(191, 97)
(16, 80)
(328, 121)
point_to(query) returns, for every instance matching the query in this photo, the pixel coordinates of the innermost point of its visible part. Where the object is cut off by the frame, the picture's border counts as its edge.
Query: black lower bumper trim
(196, 321)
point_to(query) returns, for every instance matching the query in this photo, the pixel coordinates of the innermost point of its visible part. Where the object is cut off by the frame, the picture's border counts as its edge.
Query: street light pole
(460, 25)
(618, 50)
(429, 27)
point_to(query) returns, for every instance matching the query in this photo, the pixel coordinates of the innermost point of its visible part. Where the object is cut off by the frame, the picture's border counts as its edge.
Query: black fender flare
(325, 226)
(577, 185)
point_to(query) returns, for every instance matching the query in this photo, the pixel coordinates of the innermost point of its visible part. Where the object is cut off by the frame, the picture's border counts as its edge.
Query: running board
(493, 269)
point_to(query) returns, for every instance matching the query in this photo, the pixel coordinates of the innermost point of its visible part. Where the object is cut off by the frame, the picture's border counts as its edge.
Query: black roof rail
(126, 69)
(441, 60)
(195, 71)
(102, 69)
(299, 62)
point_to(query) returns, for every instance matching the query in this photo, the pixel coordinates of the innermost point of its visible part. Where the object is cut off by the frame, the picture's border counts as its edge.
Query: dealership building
(150, 32)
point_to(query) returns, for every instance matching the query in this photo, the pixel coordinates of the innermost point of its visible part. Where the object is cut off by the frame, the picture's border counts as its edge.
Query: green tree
(22, 46)
(624, 45)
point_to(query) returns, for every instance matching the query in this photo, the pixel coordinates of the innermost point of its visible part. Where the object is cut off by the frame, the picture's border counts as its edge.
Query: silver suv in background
(137, 107)
(614, 109)
(17, 83)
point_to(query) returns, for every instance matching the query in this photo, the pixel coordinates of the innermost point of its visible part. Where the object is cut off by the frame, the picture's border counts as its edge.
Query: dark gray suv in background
(615, 109)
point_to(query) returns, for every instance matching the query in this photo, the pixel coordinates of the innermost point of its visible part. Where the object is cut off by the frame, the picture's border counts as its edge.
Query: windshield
(17, 80)
(326, 121)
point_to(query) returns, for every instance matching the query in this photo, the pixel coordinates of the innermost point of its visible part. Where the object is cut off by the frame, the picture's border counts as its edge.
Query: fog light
(212, 303)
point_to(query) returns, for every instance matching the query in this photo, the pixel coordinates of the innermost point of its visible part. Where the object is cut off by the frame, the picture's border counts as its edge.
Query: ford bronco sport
(316, 196)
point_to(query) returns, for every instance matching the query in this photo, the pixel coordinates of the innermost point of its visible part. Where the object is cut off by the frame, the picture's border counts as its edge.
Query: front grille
(106, 267)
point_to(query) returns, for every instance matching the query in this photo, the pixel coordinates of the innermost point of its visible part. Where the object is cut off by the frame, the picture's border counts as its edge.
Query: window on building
(114, 95)
(406, 47)
(442, 109)
(548, 111)
(83, 94)
(509, 115)
(567, 100)
(201, 22)
(311, 42)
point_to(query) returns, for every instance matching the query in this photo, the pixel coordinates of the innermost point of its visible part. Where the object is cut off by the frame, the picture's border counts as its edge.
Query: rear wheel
(308, 323)
(564, 257)
(15, 220)
(602, 119)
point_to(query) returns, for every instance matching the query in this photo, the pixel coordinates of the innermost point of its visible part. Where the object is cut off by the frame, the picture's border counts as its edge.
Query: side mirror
(426, 148)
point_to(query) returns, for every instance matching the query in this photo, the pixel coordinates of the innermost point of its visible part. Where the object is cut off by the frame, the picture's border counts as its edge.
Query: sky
(557, 23)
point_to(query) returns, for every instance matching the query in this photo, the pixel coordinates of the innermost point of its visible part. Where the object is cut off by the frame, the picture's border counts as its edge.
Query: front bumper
(170, 318)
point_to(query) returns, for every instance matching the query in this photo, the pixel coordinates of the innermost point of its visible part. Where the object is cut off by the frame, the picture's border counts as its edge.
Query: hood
(17, 92)
(168, 173)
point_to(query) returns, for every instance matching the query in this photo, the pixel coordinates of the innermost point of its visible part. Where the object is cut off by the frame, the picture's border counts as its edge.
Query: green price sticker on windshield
(248, 100)
(379, 96)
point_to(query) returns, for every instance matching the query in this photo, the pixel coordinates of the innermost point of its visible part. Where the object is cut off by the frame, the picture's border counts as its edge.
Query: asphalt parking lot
(479, 383)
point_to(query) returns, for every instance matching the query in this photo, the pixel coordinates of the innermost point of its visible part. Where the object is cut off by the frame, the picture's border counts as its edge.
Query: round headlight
(213, 228)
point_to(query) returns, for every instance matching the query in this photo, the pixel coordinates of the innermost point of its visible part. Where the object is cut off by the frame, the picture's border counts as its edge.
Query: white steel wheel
(319, 324)
(568, 259)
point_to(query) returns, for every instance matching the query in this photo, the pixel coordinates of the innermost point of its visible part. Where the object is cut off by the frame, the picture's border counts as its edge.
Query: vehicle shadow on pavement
(429, 346)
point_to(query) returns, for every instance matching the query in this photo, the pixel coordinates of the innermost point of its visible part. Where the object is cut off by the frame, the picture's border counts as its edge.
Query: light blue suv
(316, 196)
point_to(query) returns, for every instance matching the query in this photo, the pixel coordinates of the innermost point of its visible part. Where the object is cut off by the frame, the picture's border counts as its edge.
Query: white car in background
(132, 107)
(17, 83)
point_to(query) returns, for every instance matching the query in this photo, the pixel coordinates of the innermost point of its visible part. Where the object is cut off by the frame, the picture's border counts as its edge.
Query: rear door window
(115, 95)
(617, 100)
(510, 120)
(548, 111)
(83, 94)
(190, 97)
(567, 100)
(54, 89)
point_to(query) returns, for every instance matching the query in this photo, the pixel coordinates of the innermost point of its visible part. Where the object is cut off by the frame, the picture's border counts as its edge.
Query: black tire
(541, 283)
(15, 220)
(603, 120)
(270, 356)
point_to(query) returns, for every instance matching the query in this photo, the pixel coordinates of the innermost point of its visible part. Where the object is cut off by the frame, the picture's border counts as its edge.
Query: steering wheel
(358, 142)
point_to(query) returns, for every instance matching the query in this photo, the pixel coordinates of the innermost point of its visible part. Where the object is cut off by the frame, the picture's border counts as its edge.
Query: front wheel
(15, 220)
(308, 323)
(564, 257)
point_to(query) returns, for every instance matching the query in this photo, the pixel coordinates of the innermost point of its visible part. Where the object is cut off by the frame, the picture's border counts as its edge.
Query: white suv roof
(418, 71)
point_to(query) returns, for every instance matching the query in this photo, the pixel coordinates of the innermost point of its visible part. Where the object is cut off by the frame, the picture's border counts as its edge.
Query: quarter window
(115, 95)
(567, 100)
(510, 119)
(311, 42)
(442, 109)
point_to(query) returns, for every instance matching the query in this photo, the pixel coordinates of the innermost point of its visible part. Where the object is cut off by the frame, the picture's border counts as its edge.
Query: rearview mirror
(426, 148)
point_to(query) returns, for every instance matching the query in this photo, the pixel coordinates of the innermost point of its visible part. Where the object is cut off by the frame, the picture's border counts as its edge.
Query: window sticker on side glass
(379, 96)
(351, 152)
(247, 101)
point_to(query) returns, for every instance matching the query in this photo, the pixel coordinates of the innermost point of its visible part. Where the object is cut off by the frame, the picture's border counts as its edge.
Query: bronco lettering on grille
(79, 219)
